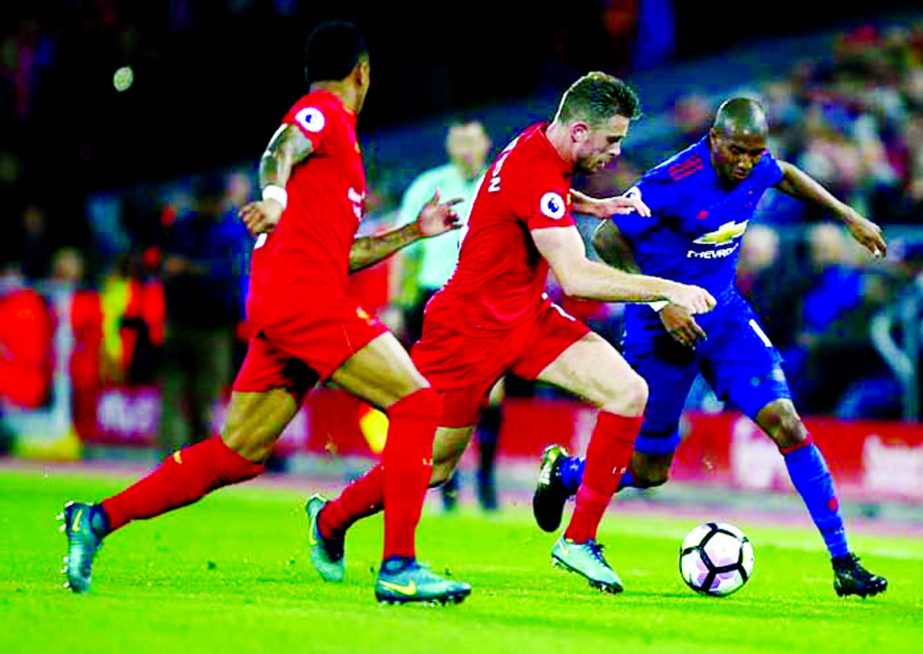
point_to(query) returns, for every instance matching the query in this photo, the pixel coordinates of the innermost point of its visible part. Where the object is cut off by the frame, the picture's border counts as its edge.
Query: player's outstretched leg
(327, 554)
(587, 560)
(182, 478)
(811, 477)
(851, 578)
(608, 453)
(550, 493)
(402, 580)
(85, 525)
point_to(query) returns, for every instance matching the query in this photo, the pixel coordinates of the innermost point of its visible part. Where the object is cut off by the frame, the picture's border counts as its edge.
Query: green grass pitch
(231, 574)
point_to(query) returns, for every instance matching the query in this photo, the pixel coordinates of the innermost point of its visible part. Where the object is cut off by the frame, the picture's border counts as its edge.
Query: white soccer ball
(716, 559)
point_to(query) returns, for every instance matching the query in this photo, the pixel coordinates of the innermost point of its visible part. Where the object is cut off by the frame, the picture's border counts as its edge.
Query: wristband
(659, 305)
(277, 193)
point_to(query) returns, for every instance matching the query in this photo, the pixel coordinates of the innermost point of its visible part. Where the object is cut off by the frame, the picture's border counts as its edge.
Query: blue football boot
(327, 555)
(402, 581)
(587, 560)
(84, 525)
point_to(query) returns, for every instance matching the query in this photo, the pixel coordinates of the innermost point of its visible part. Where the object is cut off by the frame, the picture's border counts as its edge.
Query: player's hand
(866, 233)
(691, 298)
(437, 218)
(680, 324)
(620, 204)
(261, 216)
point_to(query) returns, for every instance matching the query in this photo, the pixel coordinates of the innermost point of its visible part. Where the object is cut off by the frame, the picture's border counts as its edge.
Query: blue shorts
(737, 359)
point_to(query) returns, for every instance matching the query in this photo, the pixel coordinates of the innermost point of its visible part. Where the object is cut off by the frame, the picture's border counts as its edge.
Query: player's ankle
(99, 521)
(396, 562)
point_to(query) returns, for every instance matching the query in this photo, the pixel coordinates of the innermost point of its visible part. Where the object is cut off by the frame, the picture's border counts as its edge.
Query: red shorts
(463, 367)
(297, 342)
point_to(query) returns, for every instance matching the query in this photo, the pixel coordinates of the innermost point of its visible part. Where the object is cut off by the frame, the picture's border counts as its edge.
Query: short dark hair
(598, 96)
(462, 118)
(332, 50)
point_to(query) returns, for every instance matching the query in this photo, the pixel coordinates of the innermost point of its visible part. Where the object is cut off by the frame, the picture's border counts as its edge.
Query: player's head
(467, 144)
(336, 52)
(738, 138)
(596, 111)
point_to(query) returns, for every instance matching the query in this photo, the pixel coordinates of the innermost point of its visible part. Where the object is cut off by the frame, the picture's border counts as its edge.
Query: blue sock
(627, 481)
(571, 472)
(809, 473)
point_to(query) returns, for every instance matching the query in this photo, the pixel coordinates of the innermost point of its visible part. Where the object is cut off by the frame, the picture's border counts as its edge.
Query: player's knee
(791, 433)
(785, 427)
(252, 445)
(630, 398)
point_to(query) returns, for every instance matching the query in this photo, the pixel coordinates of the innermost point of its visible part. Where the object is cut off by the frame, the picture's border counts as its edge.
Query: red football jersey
(326, 196)
(500, 279)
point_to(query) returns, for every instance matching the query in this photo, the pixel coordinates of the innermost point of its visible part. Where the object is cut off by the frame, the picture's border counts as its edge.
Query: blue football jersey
(697, 224)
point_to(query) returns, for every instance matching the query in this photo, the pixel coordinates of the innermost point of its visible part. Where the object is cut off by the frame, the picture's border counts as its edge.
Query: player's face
(601, 143)
(467, 146)
(734, 155)
(364, 80)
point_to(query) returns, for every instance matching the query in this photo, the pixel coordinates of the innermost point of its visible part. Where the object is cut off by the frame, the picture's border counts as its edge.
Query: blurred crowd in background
(145, 271)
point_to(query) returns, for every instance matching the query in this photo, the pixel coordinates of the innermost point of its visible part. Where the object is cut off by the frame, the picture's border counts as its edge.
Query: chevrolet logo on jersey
(724, 234)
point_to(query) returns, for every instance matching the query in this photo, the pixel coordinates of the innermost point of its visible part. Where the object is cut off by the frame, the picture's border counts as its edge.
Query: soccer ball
(716, 559)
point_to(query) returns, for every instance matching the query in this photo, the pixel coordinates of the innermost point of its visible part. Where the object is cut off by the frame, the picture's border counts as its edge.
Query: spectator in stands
(833, 346)
(132, 307)
(201, 289)
(81, 306)
(25, 341)
(238, 240)
(880, 395)
(35, 252)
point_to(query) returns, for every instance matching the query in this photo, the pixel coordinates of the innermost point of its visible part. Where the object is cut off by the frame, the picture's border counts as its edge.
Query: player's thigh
(256, 420)
(594, 370)
(380, 373)
(669, 379)
(744, 367)
(267, 392)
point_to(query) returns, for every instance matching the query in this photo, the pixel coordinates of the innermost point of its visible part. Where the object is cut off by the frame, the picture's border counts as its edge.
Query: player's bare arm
(287, 148)
(798, 184)
(614, 249)
(565, 252)
(605, 207)
(434, 219)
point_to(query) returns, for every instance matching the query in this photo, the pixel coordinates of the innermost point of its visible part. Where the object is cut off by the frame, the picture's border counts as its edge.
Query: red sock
(607, 457)
(182, 478)
(407, 465)
(363, 497)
